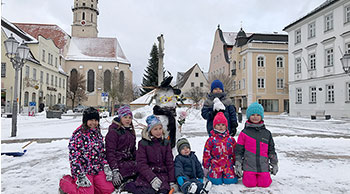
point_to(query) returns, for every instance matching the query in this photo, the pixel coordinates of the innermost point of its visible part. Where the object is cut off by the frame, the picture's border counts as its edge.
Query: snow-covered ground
(314, 156)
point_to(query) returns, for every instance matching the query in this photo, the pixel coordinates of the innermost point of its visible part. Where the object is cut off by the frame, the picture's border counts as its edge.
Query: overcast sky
(188, 26)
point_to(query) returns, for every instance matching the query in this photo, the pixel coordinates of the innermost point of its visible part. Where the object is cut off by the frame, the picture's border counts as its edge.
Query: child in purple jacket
(121, 148)
(154, 160)
(87, 159)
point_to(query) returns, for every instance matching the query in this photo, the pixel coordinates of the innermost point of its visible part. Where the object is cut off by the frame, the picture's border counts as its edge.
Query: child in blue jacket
(188, 170)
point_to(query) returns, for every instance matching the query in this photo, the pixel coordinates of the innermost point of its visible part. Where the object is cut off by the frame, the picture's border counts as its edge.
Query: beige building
(190, 79)
(259, 71)
(42, 80)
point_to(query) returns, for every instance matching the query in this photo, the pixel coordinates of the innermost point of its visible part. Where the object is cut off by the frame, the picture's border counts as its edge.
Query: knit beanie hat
(220, 119)
(181, 143)
(255, 108)
(152, 121)
(123, 111)
(216, 84)
(89, 114)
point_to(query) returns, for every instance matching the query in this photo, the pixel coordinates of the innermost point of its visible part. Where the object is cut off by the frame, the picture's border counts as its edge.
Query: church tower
(85, 18)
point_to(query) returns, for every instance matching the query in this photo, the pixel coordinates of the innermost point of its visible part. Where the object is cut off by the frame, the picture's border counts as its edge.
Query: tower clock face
(82, 22)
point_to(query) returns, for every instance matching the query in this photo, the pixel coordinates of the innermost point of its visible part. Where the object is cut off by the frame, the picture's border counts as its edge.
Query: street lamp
(345, 61)
(18, 56)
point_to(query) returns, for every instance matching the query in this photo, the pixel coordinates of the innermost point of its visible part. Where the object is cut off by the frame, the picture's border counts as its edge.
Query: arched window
(121, 81)
(91, 81)
(279, 62)
(33, 97)
(26, 98)
(59, 98)
(83, 16)
(107, 81)
(73, 80)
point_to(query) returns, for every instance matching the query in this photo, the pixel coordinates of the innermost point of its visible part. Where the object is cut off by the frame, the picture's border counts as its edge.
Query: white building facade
(316, 43)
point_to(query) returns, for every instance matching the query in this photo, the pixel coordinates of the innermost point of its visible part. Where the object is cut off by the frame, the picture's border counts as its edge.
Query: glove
(181, 180)
(156, 183)
(218, 105)
(273, 169)
(238, 169)
(117, 178)
(200, 180)
(206, 172)
(174, 186)
(108, 172)
(82, 181)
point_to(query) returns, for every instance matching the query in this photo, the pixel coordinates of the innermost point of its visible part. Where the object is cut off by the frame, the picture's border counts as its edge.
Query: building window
(64, 83)
(83, 16)
(298, 65)
(27, 72)
(347, 14)
(3, 69)
(59, 98)
(347, 47)
(239, 64)
(299, 95)
(91, 81)
(33, 97)
(47, 78)
(329, 57)
(41, 77)
(92, 16)
(328, 22)
(269, 105)
(312, 61)
(56, 81)
(51, 80)
(107, 80)
(348, 91)
(234, 85)
(49, 58)
(43, 56)
(297, 36)
(330, 93)
(312, 30)
(34, 74)
(196, 74)
(59, 82)
(261, 83)
(26, 99)
(312, 94)
(239, 84)
(279, 62)
(56, 62)
(280, 83)
(192, 84)
(243, 67)
(121, 81)
(243, 83)
(201, 84)
(260, 61)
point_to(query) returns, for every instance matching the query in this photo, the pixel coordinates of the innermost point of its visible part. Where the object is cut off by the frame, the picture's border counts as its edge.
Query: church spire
(85, 18)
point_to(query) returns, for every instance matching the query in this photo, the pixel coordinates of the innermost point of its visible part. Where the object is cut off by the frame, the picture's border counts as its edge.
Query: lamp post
(345, 61)
(18, 55)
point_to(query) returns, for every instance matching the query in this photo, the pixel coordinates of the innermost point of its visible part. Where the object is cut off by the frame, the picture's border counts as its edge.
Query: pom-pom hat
(220, 119)
(123, 111)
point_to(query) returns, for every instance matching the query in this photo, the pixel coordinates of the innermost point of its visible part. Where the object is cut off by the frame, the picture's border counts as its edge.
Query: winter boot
(206, 188)
(192, 188)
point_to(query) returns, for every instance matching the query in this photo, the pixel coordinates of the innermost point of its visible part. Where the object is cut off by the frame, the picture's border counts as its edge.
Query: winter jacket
(121, 148)
(255, 148)
(86, 151)
(154, 159)
(230, 112)
(219, 153)
(188, 166)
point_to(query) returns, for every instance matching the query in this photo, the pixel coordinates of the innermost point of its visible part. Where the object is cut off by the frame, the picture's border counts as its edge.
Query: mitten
(181, 180)
(218, 105)
(238, 169)
(200, 180)
(82, 181)
(174, 186)
(108, 172)
(274, 169)
(156, 183)
(117, 178)
(206, 172)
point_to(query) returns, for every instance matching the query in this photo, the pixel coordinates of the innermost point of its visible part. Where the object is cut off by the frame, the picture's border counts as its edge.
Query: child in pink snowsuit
(255, 150)
(219, 156)
(87, 159)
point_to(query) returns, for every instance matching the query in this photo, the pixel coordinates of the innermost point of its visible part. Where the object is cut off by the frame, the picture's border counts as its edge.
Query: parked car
(79, 108)
(60, 107)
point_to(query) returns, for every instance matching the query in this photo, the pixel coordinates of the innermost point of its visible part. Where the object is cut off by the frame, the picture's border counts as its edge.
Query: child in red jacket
(218, 157)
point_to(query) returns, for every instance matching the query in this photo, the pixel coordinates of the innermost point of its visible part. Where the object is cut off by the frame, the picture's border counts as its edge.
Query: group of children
(151, 168)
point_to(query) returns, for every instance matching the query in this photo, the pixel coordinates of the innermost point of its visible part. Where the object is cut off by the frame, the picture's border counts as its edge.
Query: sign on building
(104, 96)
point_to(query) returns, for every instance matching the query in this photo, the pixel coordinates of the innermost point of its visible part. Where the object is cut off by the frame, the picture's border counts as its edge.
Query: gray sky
(188, 26)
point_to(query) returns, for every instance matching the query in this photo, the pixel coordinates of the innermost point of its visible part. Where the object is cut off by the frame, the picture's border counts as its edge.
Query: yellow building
(259, 71)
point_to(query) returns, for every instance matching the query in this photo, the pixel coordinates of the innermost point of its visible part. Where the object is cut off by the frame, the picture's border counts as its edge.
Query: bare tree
(196, 94)
(225, 79)
(76, 88)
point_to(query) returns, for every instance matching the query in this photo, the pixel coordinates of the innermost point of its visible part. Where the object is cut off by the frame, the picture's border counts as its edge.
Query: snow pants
(256, 179)
(99, 185)
(225, 177)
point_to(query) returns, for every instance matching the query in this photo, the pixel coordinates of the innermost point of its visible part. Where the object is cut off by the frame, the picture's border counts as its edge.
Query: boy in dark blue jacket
(188, 170)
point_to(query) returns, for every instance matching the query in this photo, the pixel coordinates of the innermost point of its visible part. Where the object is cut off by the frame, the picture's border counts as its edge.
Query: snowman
(165, 109)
